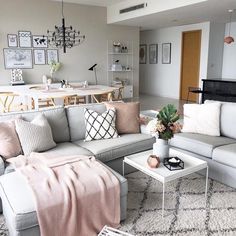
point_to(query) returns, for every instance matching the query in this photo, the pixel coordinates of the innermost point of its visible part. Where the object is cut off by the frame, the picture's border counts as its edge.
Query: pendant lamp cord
(62, 9)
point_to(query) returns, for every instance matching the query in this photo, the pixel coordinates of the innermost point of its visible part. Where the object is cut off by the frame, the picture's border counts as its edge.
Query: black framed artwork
(40, 41)
(17, 58)
(153, 53)
(12, 40)
(143, 54)
(166, 53)
(25, 40)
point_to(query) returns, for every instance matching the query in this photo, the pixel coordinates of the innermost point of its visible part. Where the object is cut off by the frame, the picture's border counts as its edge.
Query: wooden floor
(148, 102)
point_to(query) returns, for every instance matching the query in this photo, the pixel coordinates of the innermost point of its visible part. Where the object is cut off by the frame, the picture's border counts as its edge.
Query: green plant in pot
(165, 128)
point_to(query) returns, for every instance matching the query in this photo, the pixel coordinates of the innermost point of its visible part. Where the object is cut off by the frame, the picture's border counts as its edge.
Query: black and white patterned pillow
(100, 126)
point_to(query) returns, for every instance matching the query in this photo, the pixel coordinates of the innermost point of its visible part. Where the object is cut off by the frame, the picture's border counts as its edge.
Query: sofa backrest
(75, 116)
(227, 118)
(55, 116)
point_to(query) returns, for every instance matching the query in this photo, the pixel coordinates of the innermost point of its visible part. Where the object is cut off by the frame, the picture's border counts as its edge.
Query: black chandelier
(64, 37)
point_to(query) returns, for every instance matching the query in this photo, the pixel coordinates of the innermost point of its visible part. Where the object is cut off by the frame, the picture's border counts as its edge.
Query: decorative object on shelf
(229, 39)
(165, 128)
(16, 77)
(40, 41)
(173, 163)
(153, 53)
(143, 54)
(17, 58)
(12, 40)
(54, 67)
(116, 47)
(166, 53)
(64, 37)
(116, 66)
(39, 57)
(93, 68)
(153, 161)
(52, 56)
(25, 39)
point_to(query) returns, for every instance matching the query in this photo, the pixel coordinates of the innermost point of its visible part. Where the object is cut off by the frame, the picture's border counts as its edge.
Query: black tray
(179, 166)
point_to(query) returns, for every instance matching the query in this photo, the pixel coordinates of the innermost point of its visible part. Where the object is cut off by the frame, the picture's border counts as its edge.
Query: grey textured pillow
(35, 136)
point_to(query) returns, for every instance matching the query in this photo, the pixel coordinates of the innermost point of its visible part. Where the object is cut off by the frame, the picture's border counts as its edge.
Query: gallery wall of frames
(26, 50)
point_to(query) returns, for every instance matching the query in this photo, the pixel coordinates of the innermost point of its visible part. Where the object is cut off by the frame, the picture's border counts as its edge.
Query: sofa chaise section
(19, 205)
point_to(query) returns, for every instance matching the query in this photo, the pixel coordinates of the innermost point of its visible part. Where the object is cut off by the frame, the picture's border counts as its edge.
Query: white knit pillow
(35, 136)
(202, 119)
(100, 126)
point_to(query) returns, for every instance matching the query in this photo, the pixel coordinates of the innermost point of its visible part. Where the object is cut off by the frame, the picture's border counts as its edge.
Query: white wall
(164, 79)
(216, 48)
(38, 16)
(229, 57)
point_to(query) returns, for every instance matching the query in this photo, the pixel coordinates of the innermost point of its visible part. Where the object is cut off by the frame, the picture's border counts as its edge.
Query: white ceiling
(102, 3)
(211, 10)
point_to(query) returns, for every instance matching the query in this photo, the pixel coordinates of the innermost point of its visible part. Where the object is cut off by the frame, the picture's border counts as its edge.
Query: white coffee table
(162, 174)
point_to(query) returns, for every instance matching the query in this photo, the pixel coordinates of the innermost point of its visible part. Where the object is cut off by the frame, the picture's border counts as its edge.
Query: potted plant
(165, 127)
(54, 67)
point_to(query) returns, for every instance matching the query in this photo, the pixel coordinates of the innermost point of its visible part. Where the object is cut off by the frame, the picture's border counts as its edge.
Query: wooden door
(191, 49)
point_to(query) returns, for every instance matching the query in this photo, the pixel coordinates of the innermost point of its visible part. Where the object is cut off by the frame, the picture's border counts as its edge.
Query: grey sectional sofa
(68, 129)
(219, 152)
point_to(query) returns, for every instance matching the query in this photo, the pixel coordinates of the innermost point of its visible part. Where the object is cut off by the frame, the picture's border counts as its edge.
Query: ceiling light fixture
(64, 37)
(229, 39)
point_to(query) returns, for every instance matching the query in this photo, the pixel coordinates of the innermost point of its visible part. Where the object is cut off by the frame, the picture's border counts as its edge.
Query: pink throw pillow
(9, 141)
(127, 116)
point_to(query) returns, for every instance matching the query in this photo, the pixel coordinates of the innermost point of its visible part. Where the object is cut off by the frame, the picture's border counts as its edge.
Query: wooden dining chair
(119, 96)
(47, 102)
(7, 102)
(104, 97)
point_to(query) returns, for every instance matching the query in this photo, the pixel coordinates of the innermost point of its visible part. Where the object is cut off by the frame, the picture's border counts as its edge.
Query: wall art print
(40, 41)
(17, 58)
(25, 39)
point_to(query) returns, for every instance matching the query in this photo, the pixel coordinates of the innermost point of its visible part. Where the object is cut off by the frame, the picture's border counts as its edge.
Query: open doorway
(190, 66)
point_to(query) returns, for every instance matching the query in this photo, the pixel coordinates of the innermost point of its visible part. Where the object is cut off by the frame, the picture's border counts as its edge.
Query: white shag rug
(187, 213)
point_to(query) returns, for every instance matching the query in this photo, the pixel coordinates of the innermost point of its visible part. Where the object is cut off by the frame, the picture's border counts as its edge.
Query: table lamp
(93, 68)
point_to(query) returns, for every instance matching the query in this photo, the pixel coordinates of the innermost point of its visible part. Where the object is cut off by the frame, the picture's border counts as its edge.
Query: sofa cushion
(68, 148)
(225, 155)
(18, 199)
(35, 136)
(127, 116)
(76, 119)
(100, 125)
(9, 141)
(227, 118)
(199, 143)
(110, 149)
(202, 119)
(56, 118)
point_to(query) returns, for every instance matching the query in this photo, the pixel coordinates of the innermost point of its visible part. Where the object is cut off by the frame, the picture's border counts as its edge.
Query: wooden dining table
(55, 91)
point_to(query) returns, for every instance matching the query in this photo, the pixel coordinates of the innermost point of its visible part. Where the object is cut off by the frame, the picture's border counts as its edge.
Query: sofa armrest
(2, 166)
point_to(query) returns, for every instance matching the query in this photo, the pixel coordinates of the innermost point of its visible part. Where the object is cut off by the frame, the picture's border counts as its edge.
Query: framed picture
(166, 53)
(12, 40)
(25, 39)
(17, 58)
(143, 54)
(153, 53)
(52, 56)
(40, 41)
(39, 57)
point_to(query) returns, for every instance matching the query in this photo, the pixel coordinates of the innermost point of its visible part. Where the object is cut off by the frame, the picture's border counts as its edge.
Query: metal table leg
(123, 168)
(163, 199)
(206, 182)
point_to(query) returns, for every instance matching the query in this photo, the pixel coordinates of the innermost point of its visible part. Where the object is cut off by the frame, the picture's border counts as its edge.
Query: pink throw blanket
(75, 195)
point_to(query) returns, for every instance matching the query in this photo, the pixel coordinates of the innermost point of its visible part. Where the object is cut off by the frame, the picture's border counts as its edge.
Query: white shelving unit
(126, 60)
